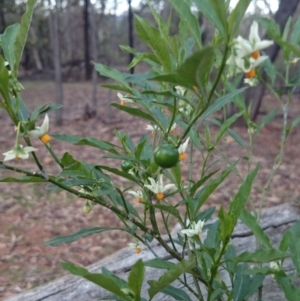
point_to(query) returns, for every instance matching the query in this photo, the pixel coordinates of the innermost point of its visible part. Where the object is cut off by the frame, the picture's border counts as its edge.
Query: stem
(49, 148)
(167, 228)
(209, 96)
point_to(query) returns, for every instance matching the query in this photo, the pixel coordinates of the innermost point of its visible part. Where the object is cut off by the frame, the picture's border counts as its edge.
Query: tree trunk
(130, 28)
(86, 40)
(53, 19)
(254, 95)
(36, 56)
(95, 57)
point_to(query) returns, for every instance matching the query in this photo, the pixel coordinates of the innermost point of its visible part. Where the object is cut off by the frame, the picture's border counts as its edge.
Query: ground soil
(30, 214)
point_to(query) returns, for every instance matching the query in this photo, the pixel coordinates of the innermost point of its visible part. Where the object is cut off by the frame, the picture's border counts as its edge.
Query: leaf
(8, 39)
(176, 293)
(290, 291)
(4, 78)
(117, 88)
(250, 221)
(99, 279)
(295, 245)
(24, 179)
(261, 256)
(240, 284)
(184, 11)
(240, 199)
(134, 112)
(285, 241)
(22, 34)
(111, 73)
(159, 264)
(200, 182)
(226, 125)
(267, 119)
(215, 11)
(120, 173)
(219, 103)
(226, 225)
(168, 208)
(151, 36)
(169, 276)
(206, 191)
(136, 278)
(67, 239)
(237, 16)
(76, 140)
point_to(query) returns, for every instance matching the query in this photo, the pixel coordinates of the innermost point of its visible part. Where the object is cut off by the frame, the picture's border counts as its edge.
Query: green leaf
(219, 103)
(117, 88)
(151, 36)
(136, 278)
(226, 225)
(143, 57)
(158, 263)
(112, 73)
(176, 171)
(67, 239)
(271, 71)
(225, 126)
(24, 179)
(206, 191)
(250, 221)
(76, 140)
(241, 283)
(262, 256)
(99, 279)
(237, 16)
(169, 276)
(215, 11)
(267, 119)
(295, 245)
(4, 78)
(290, 291)
(295, 35)
(200, 182)
(176, 293)
(120, 173)
(8, 39)
(168, 208)
(184, 11)
(285, 241)
(236, 137)
(239, 201)
(22, 34)
(134, 112)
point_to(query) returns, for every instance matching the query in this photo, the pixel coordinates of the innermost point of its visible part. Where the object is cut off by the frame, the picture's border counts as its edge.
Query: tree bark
(87, 58)
(130, 28)
(54, 36)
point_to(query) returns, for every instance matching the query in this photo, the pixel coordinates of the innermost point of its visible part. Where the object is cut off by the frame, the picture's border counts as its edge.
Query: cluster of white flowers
(246, 56)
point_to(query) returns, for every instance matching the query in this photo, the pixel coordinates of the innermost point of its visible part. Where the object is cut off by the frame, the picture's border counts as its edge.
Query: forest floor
(31, 215)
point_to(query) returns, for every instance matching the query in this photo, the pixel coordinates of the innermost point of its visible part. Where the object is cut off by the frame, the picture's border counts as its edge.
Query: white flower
(124, 99)
(138, 195)
(246, 56)
(295, 60)
(180, 90)
(138, 247)
(274, 265)
(19, 152)
(152, 128)
(194, 229)
(253, 45)
(158, 187)
(41, 131)
(182, 149)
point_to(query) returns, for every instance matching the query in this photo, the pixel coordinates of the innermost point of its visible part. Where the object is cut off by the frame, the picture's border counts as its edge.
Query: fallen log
(275, 221)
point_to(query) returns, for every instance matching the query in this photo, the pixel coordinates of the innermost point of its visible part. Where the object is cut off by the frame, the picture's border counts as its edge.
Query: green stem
(209, 97)
(49, 148)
